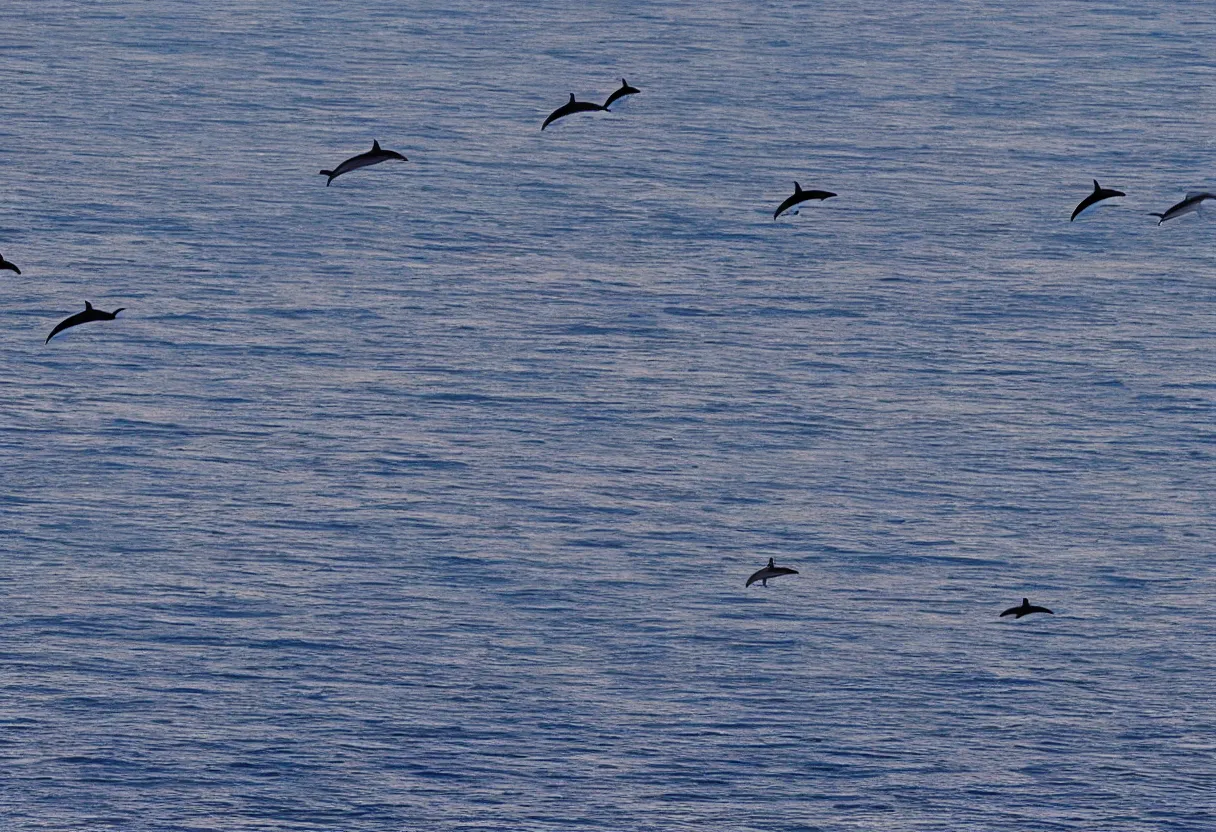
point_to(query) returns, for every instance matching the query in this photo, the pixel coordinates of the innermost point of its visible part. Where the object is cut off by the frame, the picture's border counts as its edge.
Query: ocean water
(425, 501)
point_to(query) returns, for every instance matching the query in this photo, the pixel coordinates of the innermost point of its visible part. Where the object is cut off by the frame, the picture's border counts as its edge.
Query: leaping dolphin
(1192, 202)
(89, 314)
(372, 157)
(800, 195)
(1026, 609)
(770, 571)
(571, 107)
(1099, 193)
(4, 264)
(624, 90)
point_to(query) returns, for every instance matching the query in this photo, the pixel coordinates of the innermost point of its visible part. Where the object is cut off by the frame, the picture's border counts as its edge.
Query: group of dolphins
(773, 570)
(1190, 203)
(571, 107)
(377, 155)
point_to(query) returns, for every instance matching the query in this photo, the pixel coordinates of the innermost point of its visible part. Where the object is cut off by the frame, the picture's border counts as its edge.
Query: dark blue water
(426, 500)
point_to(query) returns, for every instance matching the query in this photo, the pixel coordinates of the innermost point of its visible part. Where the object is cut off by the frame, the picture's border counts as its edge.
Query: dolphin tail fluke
(1161, 216)
(330, 174)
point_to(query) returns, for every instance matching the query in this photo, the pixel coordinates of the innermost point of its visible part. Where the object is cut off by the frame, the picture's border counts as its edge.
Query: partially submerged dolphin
(1192, 202)
(372, 157)
(1026, 609)
(624, 90)
(800, 195)
(770, 571)
(1097, 195)
(571, 107)
(4, 264)
(89, 314)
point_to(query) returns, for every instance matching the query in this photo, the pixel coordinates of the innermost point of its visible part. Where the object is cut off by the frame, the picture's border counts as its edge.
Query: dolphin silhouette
(4, 264)
(571, 107)
(800, 195)
(770, 571)
(624, 90)
(1025, 609)
(1097, 195)
(1192, 202)
(372, 157)
(89, 314)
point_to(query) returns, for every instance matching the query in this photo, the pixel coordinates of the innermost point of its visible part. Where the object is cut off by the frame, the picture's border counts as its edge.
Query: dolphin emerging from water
(89, 314)
(571, 107)
(770, 571)
(623, 91)
(1192, 202)
(1026, 609)
(800, 195)
(1097, 195)
(372, 157)
(4, 264)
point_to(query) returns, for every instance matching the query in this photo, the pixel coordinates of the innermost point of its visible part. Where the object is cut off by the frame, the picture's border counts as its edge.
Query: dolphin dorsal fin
(624, 83)
(1025, 602)
(571, 98)
(1096, 187)
(797, 187)
(771, 563)
(87, 306)
(375, 145)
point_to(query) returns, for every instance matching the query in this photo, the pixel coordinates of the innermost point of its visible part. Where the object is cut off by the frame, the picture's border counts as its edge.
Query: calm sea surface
(425, 501)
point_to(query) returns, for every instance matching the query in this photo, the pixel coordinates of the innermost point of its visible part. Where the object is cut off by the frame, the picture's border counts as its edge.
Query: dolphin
(1192, 202)
(89, 314)
(800, 195)
(372, 157)
(621, 93)
(4, 264)
(770, 571)
(1099, 193)
(1026, 609)
(571, 107)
